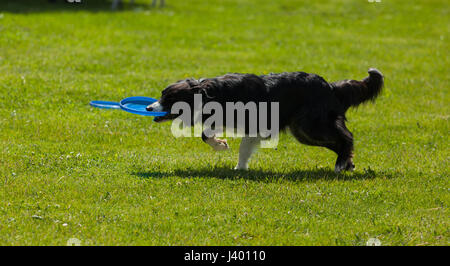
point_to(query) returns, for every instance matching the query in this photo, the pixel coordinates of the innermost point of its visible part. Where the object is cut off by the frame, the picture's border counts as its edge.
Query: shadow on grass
(41, 6)
(267, 176)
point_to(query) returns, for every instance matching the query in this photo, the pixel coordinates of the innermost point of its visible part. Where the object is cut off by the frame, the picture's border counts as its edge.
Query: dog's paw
(217, 144)
(347, 165)
(220, 145)
(241, 167)
(350, 166)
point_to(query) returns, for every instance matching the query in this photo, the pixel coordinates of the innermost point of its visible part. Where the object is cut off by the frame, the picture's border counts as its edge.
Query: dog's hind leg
(246, 149)
(325, 132)
(343, 147)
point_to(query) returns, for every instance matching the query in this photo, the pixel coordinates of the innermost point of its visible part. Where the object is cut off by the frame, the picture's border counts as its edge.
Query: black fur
(313, 109)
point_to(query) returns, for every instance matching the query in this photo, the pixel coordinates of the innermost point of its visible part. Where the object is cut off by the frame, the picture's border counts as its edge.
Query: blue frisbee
(105, 104)
(136, 105)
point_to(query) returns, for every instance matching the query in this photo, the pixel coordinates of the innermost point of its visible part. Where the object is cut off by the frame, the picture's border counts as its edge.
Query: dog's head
(181, 91)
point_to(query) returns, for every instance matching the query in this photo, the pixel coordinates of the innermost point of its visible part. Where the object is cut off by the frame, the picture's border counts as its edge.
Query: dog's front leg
(216, 144)
(246, 149)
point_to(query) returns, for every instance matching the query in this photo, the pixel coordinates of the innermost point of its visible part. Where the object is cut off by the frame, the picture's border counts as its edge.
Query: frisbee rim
(135, 99)
(105, 104)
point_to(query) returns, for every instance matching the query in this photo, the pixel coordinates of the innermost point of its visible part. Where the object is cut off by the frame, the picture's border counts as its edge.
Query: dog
(311, 108)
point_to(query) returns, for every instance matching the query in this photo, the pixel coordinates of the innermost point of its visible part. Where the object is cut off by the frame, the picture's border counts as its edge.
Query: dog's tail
(354, 92)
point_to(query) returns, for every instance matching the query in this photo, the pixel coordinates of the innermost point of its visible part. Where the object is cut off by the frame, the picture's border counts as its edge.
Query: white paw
(241, 167)
(220, 145)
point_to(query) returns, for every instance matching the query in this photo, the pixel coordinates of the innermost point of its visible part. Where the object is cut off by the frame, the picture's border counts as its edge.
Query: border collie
(311, 108)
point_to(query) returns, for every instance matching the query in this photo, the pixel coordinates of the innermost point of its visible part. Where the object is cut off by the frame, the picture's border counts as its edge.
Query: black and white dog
(310, 107)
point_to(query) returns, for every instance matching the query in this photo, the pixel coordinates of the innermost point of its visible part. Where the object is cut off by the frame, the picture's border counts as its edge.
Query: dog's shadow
(266, 176)
(47, 6)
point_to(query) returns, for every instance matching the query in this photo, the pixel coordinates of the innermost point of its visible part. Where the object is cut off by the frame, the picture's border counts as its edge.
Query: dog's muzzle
(157, 107)
(154, 107)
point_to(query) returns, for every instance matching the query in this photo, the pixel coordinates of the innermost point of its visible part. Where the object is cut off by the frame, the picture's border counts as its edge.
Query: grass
(113, 178)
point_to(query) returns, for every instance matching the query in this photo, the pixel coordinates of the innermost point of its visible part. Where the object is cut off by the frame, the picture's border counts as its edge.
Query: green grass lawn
(106, 177)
